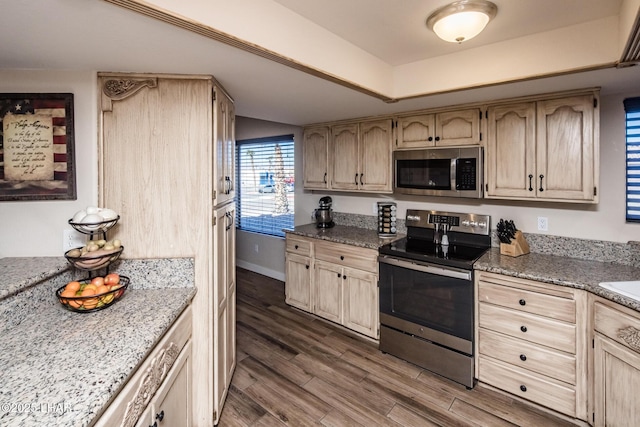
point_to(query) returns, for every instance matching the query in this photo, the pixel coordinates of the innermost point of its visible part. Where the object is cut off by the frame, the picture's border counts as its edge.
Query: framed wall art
(37, 146)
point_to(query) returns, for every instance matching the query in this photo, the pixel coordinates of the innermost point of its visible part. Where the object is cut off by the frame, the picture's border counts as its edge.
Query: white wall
(35, 228)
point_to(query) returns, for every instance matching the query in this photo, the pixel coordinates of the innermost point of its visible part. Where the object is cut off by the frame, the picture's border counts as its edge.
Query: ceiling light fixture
(461, 20)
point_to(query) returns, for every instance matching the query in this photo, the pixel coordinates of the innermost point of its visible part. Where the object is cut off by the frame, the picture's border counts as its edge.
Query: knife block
(517, 247)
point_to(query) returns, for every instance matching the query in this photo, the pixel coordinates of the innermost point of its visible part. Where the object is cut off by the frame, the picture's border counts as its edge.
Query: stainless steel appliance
(426, 292)
(451, 172)
(324, 214)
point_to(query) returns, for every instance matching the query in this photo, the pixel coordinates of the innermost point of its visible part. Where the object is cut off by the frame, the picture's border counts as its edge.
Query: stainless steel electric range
(426, 291)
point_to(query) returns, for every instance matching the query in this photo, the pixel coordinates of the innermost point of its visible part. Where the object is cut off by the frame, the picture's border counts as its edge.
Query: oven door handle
(440, 271)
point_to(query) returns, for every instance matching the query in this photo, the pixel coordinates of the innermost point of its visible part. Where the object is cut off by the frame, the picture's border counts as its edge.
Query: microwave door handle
(454, 164)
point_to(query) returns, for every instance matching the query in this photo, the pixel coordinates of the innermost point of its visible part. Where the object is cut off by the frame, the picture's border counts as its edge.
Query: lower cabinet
(616, 358)
(532, 341)
(159, 392)
(334, 281)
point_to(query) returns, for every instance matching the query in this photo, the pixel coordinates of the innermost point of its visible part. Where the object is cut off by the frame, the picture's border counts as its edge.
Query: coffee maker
(324, 215)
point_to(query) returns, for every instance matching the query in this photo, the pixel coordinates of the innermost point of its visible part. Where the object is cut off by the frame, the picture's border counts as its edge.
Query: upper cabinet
(224, 136)
(543, 149)
(450, 128)
(361, 156)
(315, 151)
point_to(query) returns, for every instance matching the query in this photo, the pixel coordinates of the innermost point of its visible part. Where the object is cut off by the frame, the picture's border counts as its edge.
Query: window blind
(632, 113)
(265, 173)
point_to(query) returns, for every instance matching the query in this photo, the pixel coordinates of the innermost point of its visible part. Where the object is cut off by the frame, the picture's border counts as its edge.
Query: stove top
(467, 235)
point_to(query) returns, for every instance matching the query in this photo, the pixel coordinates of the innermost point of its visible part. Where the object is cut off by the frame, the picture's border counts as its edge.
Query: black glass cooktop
(454, 255)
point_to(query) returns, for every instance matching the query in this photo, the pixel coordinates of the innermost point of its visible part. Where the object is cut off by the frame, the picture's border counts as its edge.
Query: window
(265, 171)
(632, 110)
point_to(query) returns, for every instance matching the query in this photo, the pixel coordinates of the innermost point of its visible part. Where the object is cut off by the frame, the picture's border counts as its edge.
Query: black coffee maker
(324, 215)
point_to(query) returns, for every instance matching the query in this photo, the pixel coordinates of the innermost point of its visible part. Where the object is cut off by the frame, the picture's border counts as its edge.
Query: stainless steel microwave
(449, 172)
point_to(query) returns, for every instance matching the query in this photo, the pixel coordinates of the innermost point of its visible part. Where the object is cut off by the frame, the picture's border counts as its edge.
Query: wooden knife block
(517, 247)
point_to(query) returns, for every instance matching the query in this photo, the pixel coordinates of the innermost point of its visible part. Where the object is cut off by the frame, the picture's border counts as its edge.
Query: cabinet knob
(344, 277)
(296, 246)
(523, 328)
(339, 275)
(437, 138)
(523, 388)
(522, 302)
(430, 138)
(341, 257)
(160, 416)
(523, 357)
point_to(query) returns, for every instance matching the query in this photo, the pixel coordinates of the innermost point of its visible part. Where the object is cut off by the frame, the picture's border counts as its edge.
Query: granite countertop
(349, 235)
(563, 271)
(64, 368)
(17, 274)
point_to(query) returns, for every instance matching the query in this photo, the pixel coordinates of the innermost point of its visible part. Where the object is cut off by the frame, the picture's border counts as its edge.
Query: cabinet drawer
(348, 256)
(537, 388)
(298, 245)
(529, 327)
(561, 306)
(618, 326)
(525, 355)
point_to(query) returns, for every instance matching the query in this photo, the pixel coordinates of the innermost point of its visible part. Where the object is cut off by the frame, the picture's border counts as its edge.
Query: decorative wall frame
(37, 147)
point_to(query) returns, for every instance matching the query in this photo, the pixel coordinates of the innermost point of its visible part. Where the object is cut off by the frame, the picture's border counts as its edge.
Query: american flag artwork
(59, 108)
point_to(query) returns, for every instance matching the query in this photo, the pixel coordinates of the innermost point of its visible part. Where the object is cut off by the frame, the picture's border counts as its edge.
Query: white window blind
(632, 110)
(265, 173)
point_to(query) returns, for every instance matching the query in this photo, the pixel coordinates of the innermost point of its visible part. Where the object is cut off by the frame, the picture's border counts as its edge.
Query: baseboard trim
(278, 275)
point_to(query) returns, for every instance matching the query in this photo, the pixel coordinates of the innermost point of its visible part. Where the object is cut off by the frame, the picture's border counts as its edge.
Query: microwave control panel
(466, 174)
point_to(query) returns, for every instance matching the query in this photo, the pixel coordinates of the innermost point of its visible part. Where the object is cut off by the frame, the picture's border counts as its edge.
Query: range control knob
(482, 224)
(474, 223)
(466, 223)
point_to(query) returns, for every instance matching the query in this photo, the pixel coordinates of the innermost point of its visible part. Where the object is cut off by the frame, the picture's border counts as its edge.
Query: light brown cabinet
(361, 156)
(543, 149)
(315, 157)
(335, 281)
(616, 357)
(166, 145)
(450, 128)
(531, 341)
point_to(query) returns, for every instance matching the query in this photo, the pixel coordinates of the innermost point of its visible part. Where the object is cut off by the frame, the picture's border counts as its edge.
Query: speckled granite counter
(61, 368)
(356, 236)
(17, 274)
(563, 271)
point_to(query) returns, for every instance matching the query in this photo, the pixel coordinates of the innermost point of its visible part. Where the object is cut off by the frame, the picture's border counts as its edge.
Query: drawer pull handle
(523, 328)
(344, 277)
(522, 302)
(523, 357)
(523, 388)
(160, 416)
(307, 267)
(339, 275)
(297, 248)
(341, 257)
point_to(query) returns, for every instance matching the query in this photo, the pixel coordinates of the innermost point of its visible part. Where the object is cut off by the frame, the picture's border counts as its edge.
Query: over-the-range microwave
(450, 172)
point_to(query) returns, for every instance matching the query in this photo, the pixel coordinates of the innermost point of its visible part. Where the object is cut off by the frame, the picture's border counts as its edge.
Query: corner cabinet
(445, 129)
(166, 145)
(616, 359)
(546, 149)
(334, 281)
(532, 342)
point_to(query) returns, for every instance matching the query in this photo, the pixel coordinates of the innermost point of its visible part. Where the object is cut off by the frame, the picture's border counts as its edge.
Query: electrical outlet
(72, 239)
(256, 248)
(543, 223)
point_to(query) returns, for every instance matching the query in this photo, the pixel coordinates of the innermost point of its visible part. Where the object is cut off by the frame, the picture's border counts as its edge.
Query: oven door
(433, 302)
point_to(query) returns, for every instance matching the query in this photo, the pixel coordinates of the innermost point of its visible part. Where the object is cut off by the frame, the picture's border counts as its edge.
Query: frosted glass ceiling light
(461, 20)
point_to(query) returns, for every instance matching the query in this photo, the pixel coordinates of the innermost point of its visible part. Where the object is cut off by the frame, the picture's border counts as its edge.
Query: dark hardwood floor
(294, 369)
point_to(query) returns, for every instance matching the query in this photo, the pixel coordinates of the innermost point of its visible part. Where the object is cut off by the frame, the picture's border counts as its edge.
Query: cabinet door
(565, 148)
(361, 301)
(375, 156)
(328, 291)
(298, 283)
(224, 149)
(458, 127)
(315, 163)
(230, 278)
(172, 403)
(616, 384)
(344, 154)
(415, 131)
(510, 155)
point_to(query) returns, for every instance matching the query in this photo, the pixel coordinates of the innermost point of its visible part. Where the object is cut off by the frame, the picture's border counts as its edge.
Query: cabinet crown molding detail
(150, 383)
(118, 89)
(631, 336)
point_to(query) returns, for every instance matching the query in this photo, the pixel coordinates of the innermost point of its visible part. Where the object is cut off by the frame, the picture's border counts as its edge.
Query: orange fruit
(90, 303)
(89, 287)
(71, 302)
(102, 289)
(87, 291)
(72, 286)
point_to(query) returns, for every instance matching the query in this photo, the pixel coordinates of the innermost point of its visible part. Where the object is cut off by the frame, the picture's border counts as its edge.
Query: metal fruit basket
(93, 260)
(91, 303)
(94, 228)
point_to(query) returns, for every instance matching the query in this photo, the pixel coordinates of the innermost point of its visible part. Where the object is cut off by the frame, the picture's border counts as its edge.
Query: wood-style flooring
(297, 370)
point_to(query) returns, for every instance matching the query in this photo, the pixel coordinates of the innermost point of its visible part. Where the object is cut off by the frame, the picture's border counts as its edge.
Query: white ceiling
(99, 36)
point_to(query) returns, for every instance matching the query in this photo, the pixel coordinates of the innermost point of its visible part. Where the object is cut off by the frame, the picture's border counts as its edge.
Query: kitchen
(46, 220)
